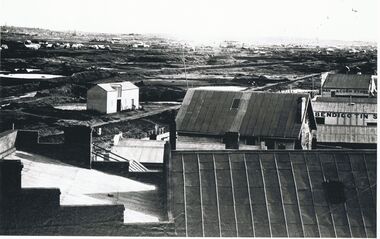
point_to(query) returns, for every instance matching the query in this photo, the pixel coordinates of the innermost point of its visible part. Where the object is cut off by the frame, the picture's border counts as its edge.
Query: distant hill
(27, 31)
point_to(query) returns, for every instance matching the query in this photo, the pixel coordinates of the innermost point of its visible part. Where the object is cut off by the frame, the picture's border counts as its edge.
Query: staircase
(134, 166)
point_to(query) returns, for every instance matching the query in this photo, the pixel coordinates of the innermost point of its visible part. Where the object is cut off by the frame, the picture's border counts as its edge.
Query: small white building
(113, 97)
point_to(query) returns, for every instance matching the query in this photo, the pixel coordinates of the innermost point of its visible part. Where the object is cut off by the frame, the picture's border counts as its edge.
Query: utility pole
(184, 65)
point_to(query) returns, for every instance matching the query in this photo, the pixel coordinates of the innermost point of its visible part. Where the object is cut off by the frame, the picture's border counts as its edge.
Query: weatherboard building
(346, 121)
(348, 85)
(113, 97)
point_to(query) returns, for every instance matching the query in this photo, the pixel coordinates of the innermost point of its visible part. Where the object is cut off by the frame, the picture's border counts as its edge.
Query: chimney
(263, 146)
(156, 129)
(231, 140)
(173, 131)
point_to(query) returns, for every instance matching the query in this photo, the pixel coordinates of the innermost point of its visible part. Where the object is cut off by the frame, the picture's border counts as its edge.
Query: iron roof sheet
(143, 151)
(272, 193)
(259, 113)
(347, 81)
(125, 85)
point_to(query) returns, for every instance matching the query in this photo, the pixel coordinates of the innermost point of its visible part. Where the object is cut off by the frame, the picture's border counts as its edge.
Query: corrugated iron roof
(106, 87)
(346, 81)
(272, 193)
(346, 134)
(259, 113)
(125, 85)
(143, 151)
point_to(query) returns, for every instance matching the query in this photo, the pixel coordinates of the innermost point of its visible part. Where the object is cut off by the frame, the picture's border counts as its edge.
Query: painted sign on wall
(346, 115)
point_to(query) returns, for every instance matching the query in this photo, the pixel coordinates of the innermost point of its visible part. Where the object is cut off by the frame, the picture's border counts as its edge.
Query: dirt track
(137, 116)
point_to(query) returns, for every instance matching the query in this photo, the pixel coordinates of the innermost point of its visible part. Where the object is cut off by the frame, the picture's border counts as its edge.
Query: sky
(348, 20)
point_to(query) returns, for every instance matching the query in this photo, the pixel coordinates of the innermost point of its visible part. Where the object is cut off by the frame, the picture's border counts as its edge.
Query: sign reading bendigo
(346, 115)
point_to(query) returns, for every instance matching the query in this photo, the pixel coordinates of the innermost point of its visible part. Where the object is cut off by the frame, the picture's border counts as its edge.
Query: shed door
(118, 105)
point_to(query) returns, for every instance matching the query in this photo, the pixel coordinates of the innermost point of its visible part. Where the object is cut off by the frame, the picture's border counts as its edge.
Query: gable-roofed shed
(113, 97)
(344, 85)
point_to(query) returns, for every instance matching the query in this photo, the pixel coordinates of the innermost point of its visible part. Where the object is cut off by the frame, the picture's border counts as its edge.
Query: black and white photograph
(188, 118)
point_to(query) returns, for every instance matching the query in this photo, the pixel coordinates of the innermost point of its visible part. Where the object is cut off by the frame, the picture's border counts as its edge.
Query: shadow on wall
(75, 150)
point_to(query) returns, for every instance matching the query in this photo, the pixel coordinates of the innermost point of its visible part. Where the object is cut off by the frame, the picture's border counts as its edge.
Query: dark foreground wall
(76, 149)
(25, 210)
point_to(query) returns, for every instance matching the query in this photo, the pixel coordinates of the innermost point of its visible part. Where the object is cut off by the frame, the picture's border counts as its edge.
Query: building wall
(7, 142)
(346, 134)
(343, 113)
(200, 139)
(97, 99)
(76, 149)
(111, 102)
(127, 96)
(207, 143)
(350, 122)
(343, 118)
(306, 135)
(106, 101)
(327, 92)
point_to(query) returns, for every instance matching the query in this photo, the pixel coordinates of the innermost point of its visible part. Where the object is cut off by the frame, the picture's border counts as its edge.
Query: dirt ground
(158, 70)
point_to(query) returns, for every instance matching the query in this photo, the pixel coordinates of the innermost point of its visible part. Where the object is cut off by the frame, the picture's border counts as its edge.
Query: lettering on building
(346, 115)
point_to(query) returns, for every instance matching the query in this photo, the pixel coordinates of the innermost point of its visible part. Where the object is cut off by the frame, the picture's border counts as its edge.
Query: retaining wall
(118, 168)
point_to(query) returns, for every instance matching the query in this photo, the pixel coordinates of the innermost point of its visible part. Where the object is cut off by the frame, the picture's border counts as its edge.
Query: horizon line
(220, 38)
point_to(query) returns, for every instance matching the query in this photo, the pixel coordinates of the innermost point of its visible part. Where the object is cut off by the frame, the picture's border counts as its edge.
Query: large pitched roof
(346, 81)
(272, 193)
(258, 113)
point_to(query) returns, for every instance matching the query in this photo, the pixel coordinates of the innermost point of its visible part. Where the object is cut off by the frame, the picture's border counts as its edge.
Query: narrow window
(320, 120)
